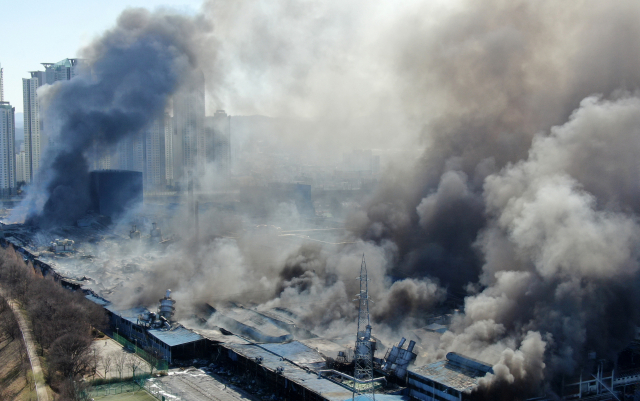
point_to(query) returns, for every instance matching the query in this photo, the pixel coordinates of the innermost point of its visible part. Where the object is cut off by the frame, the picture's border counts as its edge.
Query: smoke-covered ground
(524, 201)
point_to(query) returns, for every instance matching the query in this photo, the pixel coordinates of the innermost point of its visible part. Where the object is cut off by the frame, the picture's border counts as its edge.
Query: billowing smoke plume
(524, 201)
(528, 188)
(132, 71)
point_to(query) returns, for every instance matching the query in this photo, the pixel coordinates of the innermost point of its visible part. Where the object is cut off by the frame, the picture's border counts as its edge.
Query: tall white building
(31, 110)
(33, 143)
(21, 159)
(7, 149)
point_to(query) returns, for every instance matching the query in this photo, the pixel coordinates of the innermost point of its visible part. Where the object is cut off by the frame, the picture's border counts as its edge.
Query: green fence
(159, 364)
(140, 383)
(112, 389)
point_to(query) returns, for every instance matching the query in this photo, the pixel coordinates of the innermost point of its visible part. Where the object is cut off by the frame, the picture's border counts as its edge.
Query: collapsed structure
(273, 347)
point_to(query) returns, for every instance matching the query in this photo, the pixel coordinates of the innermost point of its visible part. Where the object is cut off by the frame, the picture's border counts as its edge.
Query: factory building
(154, 331)
(451, 379)
(292, 370)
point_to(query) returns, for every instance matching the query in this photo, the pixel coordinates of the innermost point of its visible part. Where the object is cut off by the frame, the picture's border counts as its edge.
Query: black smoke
(132, 70)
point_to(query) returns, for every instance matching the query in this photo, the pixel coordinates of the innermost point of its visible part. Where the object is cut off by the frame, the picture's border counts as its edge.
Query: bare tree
(119, 360)
(153, 358)
(107, 360)
(9, 325)
(94, 360)
(71, 355)
(133, 362)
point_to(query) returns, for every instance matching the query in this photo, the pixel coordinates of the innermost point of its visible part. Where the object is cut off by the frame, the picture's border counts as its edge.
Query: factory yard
(194, 385)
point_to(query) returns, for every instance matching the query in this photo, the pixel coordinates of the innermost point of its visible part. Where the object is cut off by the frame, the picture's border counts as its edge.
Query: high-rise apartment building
(154, 154)
(218, 140)
(20, 164)
(31, 111)
(130, 153)
(168, 151)
(7, 149)
(1, 85)
(188, 144)
(33, 143)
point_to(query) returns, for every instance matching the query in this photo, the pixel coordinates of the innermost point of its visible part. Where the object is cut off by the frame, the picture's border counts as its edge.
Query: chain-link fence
(112, 389)
(159, 364)
(129, 386)
(156, 391)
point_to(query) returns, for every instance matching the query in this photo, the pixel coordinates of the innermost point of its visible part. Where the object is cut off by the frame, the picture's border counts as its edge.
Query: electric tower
(363, 357)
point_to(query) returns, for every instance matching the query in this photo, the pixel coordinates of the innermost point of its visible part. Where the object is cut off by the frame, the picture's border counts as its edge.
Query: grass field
(140, 395)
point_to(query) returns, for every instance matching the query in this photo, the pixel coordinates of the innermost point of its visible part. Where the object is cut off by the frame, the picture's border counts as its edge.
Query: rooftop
(297, 352)
(128, 314)
(218, 336)
(175, 336)
(299, 375)
(457, 372)
(251, 323)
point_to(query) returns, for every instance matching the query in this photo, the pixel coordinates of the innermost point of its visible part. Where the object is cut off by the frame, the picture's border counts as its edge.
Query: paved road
(38, 376)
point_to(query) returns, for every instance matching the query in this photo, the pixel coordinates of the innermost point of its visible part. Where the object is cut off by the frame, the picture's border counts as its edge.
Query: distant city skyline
(63, 29)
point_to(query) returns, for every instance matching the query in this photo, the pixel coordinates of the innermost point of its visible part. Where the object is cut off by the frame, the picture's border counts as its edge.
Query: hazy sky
(38, 31)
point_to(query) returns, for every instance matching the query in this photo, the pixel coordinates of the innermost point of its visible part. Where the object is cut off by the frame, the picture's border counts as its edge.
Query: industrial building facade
(170, 344)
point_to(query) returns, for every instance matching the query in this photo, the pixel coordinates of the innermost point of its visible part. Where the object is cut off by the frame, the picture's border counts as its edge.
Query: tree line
(63, 322)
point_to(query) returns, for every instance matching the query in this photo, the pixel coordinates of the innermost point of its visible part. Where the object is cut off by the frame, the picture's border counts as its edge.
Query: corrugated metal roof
(217, 336)
(296, 352)
(456, 379)
(250, 323)
(128, 314)
(325, 347)
(303, 377)
(459, 373)
(175, 336)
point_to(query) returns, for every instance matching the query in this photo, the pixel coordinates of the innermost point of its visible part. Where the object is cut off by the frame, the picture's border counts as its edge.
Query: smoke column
(133, 70)
(524, 201)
